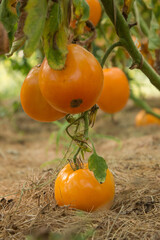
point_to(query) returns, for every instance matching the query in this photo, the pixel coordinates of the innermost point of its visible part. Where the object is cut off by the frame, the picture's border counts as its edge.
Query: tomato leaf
(81, 9)
(98, 166)
(34, 24)
(55, 38)
(154, 41)
(7, 17)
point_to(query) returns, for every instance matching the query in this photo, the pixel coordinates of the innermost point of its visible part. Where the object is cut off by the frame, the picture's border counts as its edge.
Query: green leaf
(154, 40)
(17, 44)
(98, 166)
(81, 9)
(34, 24)
(7, 17)
(55, 38)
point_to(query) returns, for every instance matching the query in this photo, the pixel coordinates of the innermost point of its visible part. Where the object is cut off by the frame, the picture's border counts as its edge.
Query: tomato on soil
(143, 118)
(33, 102)
(77, 87)
(79, 189)
(115, 91)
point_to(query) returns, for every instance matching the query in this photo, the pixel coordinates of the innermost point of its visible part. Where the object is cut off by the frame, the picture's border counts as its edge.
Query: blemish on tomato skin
(76, 103)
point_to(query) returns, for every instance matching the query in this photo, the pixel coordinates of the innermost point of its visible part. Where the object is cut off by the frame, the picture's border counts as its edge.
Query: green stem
(109, 50)
(94, 150)
(86, 125)
(67, 129)
(122, 30)
(143, 105)
(86, 128)
(75, 158)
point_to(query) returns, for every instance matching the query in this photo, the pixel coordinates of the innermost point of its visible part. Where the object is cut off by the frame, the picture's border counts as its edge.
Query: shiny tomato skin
(75, 88)
(115, 93)
(95, 11)
(79, 189)
(33, 103)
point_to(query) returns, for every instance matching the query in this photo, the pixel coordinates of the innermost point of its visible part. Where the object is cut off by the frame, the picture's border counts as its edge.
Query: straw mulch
(134, 215)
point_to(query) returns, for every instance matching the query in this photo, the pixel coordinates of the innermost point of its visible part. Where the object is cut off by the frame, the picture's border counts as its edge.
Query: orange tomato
(33, 102)
(115, 91)
(95, 12)
(79, 189)
(75, 88)
(143, 118)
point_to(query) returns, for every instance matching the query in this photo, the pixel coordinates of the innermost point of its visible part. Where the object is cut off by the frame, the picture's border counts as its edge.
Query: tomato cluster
(48, 94)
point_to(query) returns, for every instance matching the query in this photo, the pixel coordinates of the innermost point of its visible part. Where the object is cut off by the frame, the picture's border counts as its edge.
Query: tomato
(75, 88)
(115, 91)
(143, 118)
(95, 11)
(33, 102)
(79, 189)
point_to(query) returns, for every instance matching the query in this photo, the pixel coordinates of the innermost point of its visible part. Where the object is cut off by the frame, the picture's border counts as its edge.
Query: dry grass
(134, 215)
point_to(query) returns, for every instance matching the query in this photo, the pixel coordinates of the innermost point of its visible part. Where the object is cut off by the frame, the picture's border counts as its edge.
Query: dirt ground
(27, 205)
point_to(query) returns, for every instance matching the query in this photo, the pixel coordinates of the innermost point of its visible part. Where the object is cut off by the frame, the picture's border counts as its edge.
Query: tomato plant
(70, 79)
(33, 102)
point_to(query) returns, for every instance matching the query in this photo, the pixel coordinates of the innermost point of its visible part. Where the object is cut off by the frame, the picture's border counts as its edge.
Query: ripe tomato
(80, 189)
(75, 88)
(95, 11)
(143, 118)
(115, 91)
(33, 102)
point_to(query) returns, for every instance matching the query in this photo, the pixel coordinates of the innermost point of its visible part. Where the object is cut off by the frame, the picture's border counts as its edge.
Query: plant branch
(86, 125)
(122, 30)
(109, 50)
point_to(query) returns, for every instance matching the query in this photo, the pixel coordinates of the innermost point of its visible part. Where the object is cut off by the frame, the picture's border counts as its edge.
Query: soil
(28, 167)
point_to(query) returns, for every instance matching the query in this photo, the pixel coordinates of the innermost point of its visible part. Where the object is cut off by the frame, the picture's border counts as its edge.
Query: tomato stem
(123, 31)
(86, 125)
(75, 158)
(109, 50)
(94, 150)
